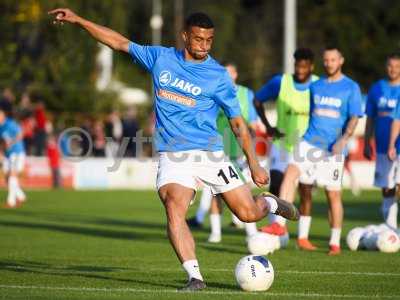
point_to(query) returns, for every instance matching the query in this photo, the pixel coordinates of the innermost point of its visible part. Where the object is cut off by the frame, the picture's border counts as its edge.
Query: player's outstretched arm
(102, 34)
(239, 128)
(394, 133)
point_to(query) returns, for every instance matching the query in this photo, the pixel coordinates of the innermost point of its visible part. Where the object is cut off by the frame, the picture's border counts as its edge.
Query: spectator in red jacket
(53, 155)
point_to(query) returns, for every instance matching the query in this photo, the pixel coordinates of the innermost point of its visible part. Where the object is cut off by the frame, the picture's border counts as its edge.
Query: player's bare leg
(215, 220)
(303, 242)
(286, 192)
(335, 220)
(249, 209)
(176, 199)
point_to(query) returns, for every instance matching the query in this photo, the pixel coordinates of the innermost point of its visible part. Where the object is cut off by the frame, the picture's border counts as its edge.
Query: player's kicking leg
(176, 199)
(287, 193)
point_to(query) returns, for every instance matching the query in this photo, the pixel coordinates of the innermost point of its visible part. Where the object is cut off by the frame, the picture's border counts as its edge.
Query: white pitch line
(170, 291)
(205, 270)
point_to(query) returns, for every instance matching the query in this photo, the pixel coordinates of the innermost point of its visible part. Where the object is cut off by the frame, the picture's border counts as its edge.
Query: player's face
(232, 72)
(333, 62)
(198, 42)
(393, 69)
(303, 69)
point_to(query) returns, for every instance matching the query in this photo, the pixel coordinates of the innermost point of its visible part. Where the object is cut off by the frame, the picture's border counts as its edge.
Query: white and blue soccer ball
(263, 243)
(254, 273)
(353, 238)
(388, 241)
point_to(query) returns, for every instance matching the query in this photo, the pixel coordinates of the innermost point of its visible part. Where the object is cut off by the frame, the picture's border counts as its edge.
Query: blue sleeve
(252, 110)
(225, 96)
(355, 102)
(270, 90)
(370, 109)
(145, 56)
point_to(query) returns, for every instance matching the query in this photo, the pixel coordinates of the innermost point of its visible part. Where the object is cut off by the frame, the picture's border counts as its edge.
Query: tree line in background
(58, 64)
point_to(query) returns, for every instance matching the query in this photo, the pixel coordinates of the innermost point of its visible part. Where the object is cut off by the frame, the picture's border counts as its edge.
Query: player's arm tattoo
(351, 126)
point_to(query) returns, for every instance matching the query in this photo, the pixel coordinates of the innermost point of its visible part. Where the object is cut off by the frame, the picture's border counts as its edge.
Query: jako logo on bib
(165, 79)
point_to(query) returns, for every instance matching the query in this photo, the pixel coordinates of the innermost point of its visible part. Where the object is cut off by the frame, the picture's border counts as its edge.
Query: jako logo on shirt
(165, 79)
(383, 102)
(330, 101)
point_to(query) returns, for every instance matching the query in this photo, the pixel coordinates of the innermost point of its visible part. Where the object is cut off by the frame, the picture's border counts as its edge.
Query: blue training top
(187, 97)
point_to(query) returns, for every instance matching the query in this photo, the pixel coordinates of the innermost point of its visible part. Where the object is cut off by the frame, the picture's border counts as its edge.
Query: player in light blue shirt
(334, 111)
(190, 87)
(383, 97)
(13, 158)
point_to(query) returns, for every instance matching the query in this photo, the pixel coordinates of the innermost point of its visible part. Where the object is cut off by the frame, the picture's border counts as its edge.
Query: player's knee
(247, 215)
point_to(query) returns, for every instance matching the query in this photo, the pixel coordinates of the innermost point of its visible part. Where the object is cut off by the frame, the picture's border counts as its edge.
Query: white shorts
(387, 172)
(318, 165)
(189, 168)
(15, 162)
(279, 159)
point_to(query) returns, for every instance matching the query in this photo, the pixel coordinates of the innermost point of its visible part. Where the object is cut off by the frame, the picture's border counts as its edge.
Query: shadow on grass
(79, 271)
(80, 230)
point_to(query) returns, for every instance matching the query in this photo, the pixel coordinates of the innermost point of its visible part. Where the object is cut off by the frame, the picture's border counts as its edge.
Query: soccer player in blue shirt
(334, 111)
(190, 87)
(13, 158)
(292, 95)
(382, 99)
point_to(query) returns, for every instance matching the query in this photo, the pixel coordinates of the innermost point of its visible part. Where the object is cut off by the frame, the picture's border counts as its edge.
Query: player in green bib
(292, 95)
(233, 151)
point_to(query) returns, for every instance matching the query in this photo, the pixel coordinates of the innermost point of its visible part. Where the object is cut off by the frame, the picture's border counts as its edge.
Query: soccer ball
(353, 238)
(254, 273)
(388, 241)
(263, 243)
(368, 240)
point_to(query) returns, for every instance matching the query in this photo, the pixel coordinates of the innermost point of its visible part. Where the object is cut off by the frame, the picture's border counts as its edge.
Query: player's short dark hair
(393, 55)
(303, 54)
(199, 19)
(333, 47)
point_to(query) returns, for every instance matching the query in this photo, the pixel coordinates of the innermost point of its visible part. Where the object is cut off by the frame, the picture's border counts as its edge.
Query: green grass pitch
(113, 245)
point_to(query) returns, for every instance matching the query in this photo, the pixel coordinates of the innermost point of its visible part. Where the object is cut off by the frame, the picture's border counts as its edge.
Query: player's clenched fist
(64, 15)
(259, 175)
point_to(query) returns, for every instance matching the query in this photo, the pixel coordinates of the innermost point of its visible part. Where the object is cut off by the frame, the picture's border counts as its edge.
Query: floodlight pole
(156, 22)
(289, 35)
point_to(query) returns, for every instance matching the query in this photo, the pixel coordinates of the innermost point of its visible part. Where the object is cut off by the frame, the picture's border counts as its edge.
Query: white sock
(280, 220)
(273, 206)
(335, 237)
(205, 203)
(192, 269)
(304, 227)
(12, 190)
(272, 218)
(236, 221)
(215, 222)
(391, 218)
(386, 204)
(251, 228)
(20, 194)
